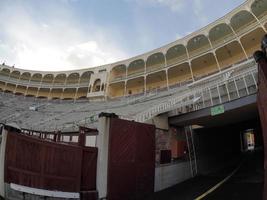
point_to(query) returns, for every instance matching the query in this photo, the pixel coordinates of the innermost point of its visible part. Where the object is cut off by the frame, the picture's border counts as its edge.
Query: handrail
(184, 98)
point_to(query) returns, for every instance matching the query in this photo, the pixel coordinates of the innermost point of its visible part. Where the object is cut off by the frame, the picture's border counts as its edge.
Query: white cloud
(58, 44)
(173, 5)
(198, 10)
(94, 52)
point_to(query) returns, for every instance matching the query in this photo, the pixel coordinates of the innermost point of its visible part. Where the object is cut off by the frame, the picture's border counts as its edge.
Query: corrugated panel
(131, 165)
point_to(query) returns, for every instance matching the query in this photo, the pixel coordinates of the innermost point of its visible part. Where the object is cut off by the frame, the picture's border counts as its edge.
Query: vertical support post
(237, 89)
(167, 79)
(215, 56)
(238, 40)
(82, 137)
(246, 85)
(220, 98)
(2, 162)
(102, 143)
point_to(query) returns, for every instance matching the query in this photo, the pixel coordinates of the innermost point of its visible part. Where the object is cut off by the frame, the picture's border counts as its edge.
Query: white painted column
(64, 87)
(54, 77)
(259, 22)
(41, 82)
(167, 78)
(28, 85)
(213, 51)
(102, 143)
(189, 62)
(79, 83)
(17, 83)
(7, 80)
(238, 40)
(145, 84)
(125, 88)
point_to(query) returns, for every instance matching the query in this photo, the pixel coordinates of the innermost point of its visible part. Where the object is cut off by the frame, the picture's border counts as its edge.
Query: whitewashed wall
(171, 174)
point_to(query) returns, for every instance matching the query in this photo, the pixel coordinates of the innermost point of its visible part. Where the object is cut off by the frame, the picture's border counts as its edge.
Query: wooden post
(261, 59)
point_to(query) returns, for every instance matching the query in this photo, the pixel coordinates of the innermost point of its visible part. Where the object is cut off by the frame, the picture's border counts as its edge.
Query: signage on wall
(217, 110)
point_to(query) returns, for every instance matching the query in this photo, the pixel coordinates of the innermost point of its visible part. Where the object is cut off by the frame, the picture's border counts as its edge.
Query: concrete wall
(171, 174)
(160, 121)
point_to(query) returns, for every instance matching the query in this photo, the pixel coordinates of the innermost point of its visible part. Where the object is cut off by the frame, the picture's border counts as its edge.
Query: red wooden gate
(131, 167)
(262, 108)
(38, 163)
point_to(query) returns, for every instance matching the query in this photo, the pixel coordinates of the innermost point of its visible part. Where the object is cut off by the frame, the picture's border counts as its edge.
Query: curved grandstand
(229, 40)
(199, 94)
(223, 49)
(191, 69)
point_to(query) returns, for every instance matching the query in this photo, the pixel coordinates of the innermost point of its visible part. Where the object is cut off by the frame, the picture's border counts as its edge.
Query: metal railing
(215, 92)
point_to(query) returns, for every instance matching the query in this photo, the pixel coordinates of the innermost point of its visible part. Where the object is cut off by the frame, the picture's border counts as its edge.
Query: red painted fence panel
(42, 164)
(131, 167)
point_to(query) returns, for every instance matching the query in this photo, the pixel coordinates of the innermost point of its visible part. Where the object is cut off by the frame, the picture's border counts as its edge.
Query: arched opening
(25, 77)
(155, 62)
(179, 74)
(251, 41)
(56, 93)
(136, 68)
(2, 85)
(73, 78)
(36, 78)
(32, 91)
(69, 93)
(60, 80)
(82, 93)
(10, 87)
(156, 81)
(259, 8)
(15, 75)
(220, 34)
(241, 21)
(135, 86)
(85, 78)
(176, 54)
(21, 89)
(97, 85)
(5, 73)
(43, 92)
(118, 73)
(204, 66)
(197, 45)
(116, 89)
(230, 54)
(48, 80)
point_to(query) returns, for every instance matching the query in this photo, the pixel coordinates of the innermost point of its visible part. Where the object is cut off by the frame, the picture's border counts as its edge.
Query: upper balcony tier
(215, 47)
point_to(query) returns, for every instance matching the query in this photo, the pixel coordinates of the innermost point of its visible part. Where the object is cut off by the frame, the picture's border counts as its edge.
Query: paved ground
(245, 184)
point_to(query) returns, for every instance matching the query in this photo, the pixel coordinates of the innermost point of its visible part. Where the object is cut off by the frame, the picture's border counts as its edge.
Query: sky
(54, 35)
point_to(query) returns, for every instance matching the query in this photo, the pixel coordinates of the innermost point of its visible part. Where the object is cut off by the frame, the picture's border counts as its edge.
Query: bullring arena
(190, 105)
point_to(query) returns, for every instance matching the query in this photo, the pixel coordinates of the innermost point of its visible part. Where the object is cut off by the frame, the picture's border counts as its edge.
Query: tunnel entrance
(220, 146)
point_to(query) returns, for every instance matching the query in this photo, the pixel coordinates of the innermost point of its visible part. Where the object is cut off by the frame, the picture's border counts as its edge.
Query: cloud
(173, 5)
(198, 10)
(53, 43)
(94, 52)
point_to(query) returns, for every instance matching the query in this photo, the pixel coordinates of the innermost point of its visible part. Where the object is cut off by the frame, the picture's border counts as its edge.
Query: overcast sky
(72, 34)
